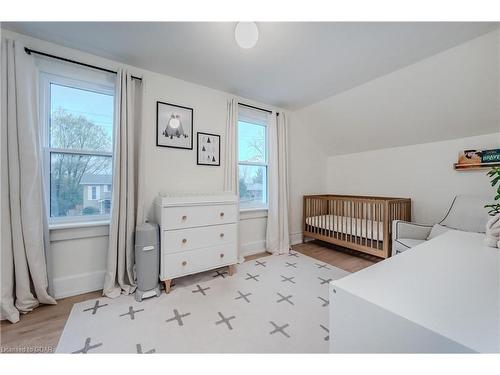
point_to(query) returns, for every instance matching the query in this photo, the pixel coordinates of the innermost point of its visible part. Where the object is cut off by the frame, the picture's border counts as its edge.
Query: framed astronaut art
(208, 151)
(174, 126)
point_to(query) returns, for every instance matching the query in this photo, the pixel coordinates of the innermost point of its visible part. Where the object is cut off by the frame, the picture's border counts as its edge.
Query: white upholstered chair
(467, 213)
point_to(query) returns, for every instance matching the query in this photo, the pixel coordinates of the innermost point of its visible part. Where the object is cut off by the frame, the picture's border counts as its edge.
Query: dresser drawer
(188, 262)
(178, 240)
(195, 216)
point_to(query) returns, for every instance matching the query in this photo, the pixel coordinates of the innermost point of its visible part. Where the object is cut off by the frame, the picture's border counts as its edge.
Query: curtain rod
(257, 108)
(30, 51)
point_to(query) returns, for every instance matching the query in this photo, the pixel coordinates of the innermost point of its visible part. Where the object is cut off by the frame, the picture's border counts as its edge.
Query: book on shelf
(490, 156)
(471, 158)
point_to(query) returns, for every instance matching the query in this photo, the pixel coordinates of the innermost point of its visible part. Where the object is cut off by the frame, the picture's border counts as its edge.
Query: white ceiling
(292, 65)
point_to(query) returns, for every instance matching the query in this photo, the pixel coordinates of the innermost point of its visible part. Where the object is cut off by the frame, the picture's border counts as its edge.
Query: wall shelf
(471, 167)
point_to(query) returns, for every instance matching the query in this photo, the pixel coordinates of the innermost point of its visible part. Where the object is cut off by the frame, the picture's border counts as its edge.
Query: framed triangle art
(208, 151)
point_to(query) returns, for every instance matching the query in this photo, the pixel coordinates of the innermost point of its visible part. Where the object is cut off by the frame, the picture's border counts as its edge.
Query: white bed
(440, 296)
(348, 225)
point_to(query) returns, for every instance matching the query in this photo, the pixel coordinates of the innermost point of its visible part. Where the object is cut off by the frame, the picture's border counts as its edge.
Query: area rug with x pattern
(274, 304)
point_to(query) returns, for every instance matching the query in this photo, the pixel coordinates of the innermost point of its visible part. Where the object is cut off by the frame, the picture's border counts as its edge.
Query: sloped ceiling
(450, 95)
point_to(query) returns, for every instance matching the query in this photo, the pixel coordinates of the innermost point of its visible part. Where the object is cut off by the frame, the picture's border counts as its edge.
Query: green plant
(494, 208)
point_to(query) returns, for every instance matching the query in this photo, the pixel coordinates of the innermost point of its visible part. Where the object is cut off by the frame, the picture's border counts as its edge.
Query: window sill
(253, 209)
(78, 224)
(253, 213)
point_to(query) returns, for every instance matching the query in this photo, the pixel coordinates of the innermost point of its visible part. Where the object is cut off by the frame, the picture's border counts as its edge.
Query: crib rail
(361, 223)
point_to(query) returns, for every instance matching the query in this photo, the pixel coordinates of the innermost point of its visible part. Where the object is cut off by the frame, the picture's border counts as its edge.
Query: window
(252, 158)
(107, 188)
(78, 142)
(93, 193)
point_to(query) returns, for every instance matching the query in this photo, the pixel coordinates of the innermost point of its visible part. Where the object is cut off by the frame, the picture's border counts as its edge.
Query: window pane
(80, 119)
(251, 142)
(253, 185)
(77, 185)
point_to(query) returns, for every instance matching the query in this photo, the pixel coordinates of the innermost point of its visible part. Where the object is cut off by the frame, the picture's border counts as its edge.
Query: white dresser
(198, 233)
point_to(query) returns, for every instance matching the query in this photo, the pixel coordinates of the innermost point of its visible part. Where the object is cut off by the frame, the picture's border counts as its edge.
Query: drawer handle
(222, 214)
(221, 235)
(184, 263)
(184, 218)
(222, 255)
(184, 240)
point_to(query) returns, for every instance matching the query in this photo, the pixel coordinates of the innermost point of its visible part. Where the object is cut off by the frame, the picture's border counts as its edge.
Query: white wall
(453, 94)
(379, 136)
(422, 172)
(307, 165)
(77, 259)
(77, 256)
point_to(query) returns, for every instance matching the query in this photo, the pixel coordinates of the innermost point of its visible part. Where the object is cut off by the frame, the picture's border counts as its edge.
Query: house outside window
(252, 158)
(77, 116)
(97, 194)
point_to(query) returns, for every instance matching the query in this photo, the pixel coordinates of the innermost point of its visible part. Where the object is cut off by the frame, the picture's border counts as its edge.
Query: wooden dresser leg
(168, 284)
(231, 269)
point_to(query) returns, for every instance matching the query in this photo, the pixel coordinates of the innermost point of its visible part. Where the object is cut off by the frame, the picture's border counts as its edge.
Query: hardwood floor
(39, 331)
(346, 259)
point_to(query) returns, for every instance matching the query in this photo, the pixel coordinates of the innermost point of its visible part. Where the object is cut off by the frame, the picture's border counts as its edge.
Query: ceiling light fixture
(246, 34)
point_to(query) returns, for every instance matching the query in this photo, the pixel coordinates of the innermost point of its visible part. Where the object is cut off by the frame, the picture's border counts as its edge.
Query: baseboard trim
(251, 248)
(88, 282)
(73, 285)
(256, 247)
(297, 238)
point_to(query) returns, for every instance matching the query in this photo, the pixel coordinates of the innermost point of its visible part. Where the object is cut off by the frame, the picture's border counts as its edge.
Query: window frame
(46, 79)
(264, 205)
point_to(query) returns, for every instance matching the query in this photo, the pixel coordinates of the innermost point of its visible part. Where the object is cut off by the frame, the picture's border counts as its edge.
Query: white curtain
(231, 148)
(126, 205)
(23, 268)
(277, 233)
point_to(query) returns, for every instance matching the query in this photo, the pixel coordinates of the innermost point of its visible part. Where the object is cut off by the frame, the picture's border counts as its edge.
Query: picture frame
(174, 126)
(208, 149)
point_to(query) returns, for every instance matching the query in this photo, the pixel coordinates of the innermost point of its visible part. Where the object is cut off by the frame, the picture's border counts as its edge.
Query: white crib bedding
(348, 225)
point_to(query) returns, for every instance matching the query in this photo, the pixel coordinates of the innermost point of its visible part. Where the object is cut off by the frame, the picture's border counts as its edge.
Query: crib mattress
(364, 228)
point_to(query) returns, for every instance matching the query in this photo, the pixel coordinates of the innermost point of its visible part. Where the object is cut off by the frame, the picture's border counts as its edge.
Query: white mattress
(348, 225)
